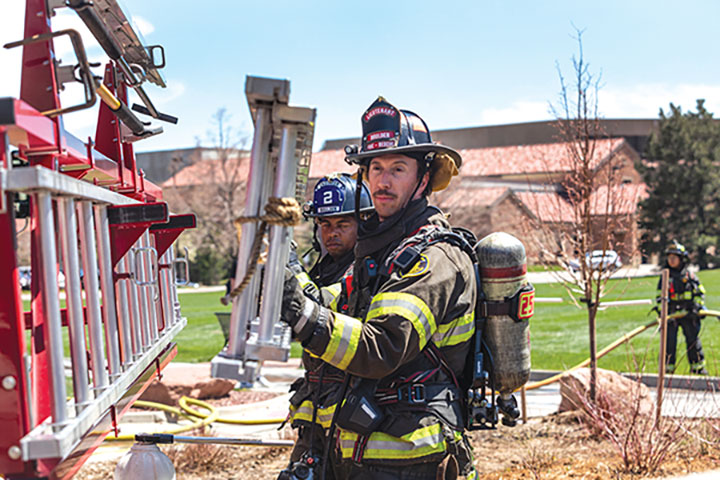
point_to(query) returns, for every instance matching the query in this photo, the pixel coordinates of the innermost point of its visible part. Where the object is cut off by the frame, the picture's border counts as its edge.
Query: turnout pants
(690, 325)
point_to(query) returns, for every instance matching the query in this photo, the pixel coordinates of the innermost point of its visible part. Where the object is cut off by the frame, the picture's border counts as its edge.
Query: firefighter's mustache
(384, 192)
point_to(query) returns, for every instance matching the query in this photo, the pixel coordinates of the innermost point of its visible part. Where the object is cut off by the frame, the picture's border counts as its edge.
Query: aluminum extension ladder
(124, 258)
(279, 166)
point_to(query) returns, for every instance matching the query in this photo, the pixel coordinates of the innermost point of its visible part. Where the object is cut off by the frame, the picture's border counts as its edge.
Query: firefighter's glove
(306, 283)
(300, 312)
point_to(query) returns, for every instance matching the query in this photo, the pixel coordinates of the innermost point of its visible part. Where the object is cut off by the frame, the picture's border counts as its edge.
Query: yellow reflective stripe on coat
(407, 306)
(303, 279)
(305, 413)
(458, 331)
(419, 443)
(344, 340)
(333, 292)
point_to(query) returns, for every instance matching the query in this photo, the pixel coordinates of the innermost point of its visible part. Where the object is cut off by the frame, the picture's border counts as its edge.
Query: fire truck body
(90, 210)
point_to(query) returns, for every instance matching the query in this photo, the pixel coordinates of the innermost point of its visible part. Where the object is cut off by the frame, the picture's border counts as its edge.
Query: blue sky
(457, 64)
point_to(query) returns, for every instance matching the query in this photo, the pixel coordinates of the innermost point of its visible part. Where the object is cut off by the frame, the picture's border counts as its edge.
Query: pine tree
(682, 174)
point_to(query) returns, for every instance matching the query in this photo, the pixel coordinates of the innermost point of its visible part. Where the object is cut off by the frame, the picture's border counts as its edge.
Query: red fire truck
(93, 216)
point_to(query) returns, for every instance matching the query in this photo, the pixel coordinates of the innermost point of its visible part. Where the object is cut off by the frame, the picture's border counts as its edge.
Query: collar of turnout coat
(375, 236)
(328, 270)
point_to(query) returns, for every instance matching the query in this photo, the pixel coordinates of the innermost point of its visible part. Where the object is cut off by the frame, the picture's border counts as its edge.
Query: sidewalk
(642, 270)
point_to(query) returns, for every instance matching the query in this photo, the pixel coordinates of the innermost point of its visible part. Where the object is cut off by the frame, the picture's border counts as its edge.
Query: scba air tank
(510, 303)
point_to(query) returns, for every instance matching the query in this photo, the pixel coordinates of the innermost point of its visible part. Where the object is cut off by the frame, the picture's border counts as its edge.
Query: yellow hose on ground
(184, 401)
(213, 416)
(236, 421)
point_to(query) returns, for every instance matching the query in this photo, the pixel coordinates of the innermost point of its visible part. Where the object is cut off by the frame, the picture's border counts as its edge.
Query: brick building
(518, 187)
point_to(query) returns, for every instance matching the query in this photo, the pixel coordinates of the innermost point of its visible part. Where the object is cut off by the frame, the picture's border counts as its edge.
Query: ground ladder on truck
(91, 214)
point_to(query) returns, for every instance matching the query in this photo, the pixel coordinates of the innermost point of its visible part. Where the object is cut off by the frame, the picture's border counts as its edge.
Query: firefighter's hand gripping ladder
(279, 168)
(93, 216)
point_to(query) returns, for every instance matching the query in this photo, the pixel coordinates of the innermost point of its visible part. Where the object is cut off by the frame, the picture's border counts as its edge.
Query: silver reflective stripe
(399, 302)
(395, 445)
(457, 331)
(345, 339)
(428, 441)
(307, 312)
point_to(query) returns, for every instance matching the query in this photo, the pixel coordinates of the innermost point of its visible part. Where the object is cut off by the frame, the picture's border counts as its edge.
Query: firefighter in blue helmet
(687, 297)
(407, 331)
(313, 403)
(333, 209)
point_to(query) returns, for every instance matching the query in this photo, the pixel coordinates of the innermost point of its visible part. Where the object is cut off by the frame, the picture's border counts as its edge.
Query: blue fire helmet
(335, 195)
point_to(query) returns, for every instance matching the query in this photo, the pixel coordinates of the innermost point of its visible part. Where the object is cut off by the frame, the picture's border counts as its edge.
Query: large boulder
(169, 392)
(158, 392)
(615, 393)
(212, 388)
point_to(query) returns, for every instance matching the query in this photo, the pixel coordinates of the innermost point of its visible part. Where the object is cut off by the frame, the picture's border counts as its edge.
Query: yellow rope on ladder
(284, 212)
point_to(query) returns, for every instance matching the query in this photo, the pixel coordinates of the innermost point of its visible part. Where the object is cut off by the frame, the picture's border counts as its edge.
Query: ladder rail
(67, 222)
(51, 305)
(107, 288)
(92, 299)
(138, 340)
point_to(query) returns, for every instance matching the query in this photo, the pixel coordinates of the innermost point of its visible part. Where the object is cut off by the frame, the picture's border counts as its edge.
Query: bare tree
(588, 208)
(213, 185)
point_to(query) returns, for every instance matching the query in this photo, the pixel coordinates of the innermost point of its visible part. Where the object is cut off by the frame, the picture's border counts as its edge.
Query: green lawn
(559, 332)
(202, 338)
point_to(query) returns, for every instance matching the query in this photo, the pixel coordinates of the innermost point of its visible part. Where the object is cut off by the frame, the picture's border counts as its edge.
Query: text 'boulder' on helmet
(678, 249)
(387, 130)
(334, 195)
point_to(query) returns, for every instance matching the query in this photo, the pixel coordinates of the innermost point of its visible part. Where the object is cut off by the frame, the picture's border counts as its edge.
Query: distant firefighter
(686, 295)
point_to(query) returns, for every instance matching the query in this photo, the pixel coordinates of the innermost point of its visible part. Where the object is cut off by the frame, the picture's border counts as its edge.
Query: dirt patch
(555, 447)
(240, 397)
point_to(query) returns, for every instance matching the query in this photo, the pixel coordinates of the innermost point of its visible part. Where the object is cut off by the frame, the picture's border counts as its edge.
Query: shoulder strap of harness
(410, 249)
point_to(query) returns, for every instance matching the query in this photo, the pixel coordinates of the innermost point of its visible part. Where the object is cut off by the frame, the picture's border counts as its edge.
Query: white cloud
(11, 29)
(645, 100)
(640, 101)
(519, 111)
(142, 25)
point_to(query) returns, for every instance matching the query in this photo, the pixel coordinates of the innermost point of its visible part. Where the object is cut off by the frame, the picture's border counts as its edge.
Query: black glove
(300, 312)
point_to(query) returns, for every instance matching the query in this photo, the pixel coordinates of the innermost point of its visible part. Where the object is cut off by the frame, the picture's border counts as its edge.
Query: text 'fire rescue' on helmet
(334, 195)
(387, 130)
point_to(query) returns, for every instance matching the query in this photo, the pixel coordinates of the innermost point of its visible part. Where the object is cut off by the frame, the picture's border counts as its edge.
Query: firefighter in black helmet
(313, 403)
(687, 296)
(407, 332)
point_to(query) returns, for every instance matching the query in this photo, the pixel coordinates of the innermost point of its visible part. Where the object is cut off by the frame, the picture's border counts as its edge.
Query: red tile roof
(207, 172)
(462, 197)
(623, 199)
(528, 159)
(552, 207)
(477, 162)
(326, 162)
(547, 206)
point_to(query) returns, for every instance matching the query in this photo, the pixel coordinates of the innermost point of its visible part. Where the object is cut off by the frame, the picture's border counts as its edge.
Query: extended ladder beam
(279, 165)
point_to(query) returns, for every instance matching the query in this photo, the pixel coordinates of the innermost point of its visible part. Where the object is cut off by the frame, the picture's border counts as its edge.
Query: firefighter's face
(338, 234)
(392, 179)
(673, 260)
